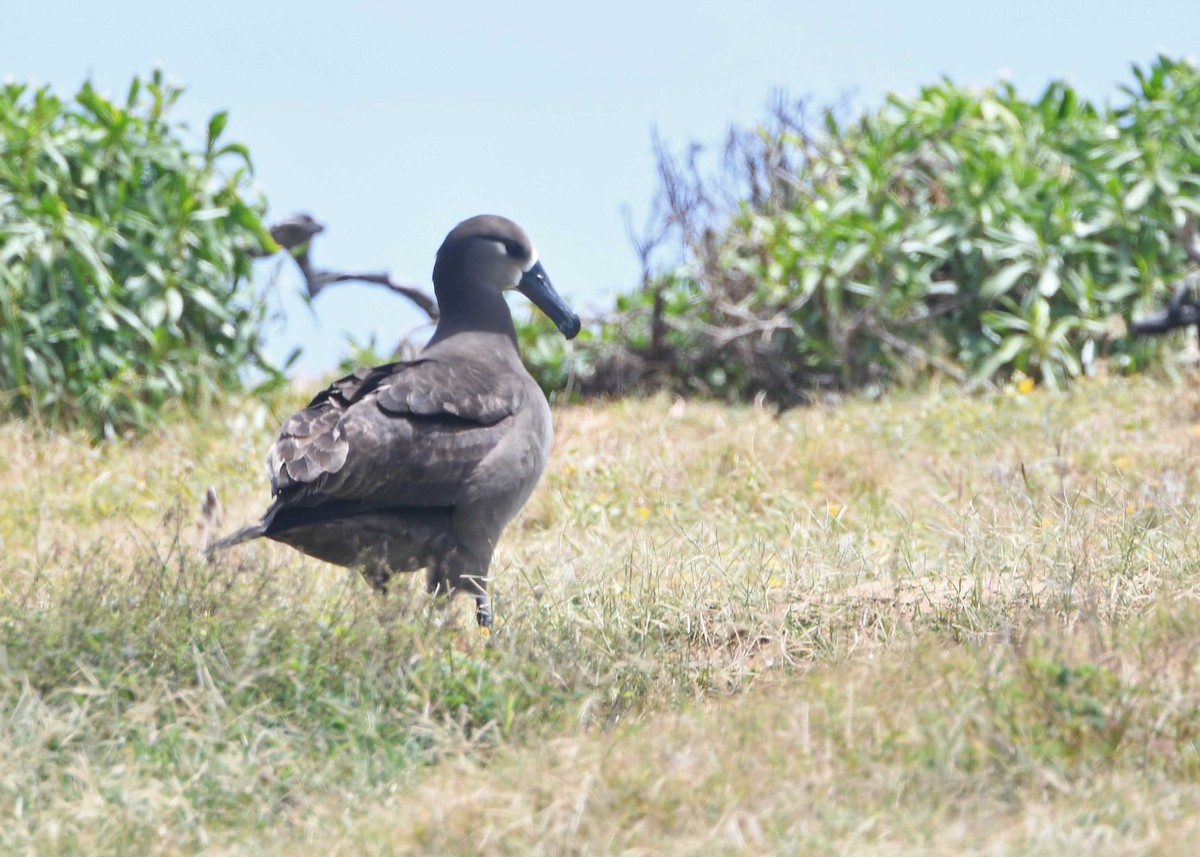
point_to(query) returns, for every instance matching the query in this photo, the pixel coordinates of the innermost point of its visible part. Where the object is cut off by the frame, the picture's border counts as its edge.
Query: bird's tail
(245, 534)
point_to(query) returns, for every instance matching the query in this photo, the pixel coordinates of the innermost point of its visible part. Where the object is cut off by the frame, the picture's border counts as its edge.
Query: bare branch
(911, 349)
(295, 235)
(1164, 321)
(1182, 310)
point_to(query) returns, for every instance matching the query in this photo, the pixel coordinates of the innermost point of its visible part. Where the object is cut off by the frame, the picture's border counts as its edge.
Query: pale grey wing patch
(400, 435)
(312, 443)
(431, 388)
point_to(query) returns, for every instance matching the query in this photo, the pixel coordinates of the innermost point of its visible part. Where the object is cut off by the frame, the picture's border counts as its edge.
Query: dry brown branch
(1182, 310)
(910, 349)
(294, 234)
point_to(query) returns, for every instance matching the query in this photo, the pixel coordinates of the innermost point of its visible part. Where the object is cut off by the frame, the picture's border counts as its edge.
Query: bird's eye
(507, 246)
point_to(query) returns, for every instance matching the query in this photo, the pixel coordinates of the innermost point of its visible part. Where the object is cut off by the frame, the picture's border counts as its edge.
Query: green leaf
(1003, 280)
(214, 213)
(846, 264)
(1002, 356)
(236, 149)
(1004, 321)
(1048, 281)
(215, 126)
(1138, 194)
(174, 303)
(154, 311)
(206, 300)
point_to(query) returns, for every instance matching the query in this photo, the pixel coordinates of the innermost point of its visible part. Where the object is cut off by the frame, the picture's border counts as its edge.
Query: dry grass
(931, 624)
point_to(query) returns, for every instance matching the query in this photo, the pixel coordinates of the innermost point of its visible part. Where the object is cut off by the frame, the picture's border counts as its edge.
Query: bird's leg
(483, 611)
(453, 575)
(477, 586)
(435, 580)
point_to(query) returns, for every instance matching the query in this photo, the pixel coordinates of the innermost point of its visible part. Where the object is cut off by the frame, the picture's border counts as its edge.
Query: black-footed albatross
(422, 463)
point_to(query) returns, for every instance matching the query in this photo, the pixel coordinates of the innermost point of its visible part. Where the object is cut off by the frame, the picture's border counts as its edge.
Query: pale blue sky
(393, 121)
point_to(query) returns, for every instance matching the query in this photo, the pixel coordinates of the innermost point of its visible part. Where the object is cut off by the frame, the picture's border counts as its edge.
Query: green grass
(931, 624)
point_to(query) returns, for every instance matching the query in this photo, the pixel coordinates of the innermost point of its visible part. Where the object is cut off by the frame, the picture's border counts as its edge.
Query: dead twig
(914, 351)
(294, 234)
(1183, 309)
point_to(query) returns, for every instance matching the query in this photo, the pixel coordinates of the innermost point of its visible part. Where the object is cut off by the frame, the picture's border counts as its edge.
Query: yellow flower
(1025, 385)
(642, 512)
(1122, 462)
(834, 510)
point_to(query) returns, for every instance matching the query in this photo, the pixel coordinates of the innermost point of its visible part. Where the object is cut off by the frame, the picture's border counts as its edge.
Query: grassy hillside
(935, 623)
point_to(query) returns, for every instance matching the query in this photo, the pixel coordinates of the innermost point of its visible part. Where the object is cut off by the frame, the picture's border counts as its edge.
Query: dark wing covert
(399, 434)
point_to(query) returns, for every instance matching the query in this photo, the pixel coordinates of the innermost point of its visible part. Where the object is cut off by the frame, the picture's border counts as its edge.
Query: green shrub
(124, 258)
(969, 232)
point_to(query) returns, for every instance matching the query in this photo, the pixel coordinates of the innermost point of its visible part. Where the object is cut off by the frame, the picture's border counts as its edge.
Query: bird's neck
(483, 313)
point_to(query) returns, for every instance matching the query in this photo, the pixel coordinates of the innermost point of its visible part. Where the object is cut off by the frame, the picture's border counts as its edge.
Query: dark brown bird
(421, 464)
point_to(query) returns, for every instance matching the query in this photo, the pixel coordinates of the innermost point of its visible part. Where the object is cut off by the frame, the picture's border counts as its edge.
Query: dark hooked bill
(535, 285)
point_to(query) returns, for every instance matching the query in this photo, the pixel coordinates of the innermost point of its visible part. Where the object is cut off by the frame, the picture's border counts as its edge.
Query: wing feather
(435, 388)
(404, 434)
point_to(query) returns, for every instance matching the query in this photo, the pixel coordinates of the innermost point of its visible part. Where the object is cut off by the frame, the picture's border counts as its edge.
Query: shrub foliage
(973, 233)
(124, 257)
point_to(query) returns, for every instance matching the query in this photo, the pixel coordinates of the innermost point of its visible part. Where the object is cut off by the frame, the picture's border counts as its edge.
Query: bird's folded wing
(404, 434)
